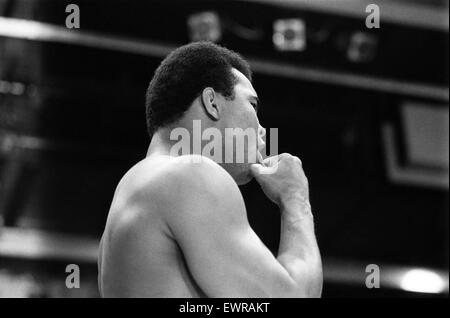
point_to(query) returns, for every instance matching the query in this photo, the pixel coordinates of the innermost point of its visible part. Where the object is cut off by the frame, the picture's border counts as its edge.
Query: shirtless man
(179, 228)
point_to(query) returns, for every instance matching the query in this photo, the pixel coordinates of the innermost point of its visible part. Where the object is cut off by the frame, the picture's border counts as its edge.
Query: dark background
(80, 125)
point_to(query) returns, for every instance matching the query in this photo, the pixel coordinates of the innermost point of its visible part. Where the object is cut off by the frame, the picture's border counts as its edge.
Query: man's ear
(210, 103)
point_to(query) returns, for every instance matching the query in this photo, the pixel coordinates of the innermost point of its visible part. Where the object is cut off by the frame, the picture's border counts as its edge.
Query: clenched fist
(283, 180)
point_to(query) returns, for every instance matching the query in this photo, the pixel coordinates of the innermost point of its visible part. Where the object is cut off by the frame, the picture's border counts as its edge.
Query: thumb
(255, 169)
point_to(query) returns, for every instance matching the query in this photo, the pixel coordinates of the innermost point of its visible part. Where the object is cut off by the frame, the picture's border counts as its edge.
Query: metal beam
(37, 31)
(410, 14)
(34, 244)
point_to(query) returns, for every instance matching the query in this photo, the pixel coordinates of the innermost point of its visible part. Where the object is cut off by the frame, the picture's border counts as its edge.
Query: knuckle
(290, 157)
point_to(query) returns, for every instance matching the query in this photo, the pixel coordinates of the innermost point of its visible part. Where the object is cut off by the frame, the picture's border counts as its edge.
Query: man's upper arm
(223, 253)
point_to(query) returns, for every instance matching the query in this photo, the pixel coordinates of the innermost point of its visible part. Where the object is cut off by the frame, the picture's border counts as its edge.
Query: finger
(270, 161)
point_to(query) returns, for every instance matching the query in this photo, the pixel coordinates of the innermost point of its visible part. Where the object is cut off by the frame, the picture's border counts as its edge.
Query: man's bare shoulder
(160, 191)
(171, 182)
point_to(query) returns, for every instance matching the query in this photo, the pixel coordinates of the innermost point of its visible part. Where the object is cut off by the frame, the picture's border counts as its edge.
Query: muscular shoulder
(184, 183)
(201, 197)
(164, 192)
(197, 173)
(196, 178)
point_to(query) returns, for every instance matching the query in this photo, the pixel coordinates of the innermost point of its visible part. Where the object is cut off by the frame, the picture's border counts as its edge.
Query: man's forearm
(298, 252)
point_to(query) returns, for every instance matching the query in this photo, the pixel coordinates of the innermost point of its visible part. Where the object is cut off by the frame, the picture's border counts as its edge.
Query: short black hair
(182, 76)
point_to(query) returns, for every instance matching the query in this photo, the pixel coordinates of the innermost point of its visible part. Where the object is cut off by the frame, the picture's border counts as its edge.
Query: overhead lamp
(362, 47)
(204, 26)
(289, 35)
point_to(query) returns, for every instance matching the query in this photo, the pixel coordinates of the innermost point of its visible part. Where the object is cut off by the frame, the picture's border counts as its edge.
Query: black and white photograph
(247, 151)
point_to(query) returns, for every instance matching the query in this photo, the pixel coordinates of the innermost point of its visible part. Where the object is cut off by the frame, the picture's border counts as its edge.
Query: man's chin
(239, 172)
(244, 177)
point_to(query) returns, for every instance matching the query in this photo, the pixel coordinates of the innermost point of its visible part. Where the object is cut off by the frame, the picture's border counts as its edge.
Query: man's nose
(261, 135)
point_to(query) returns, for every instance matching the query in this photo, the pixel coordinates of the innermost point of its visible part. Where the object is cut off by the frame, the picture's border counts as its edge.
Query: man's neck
(160, 143)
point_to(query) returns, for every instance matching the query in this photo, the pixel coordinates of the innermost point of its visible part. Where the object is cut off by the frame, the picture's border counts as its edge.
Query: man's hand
(282, 179)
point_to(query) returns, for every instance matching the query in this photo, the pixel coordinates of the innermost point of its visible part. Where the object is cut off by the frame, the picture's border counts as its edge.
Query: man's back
(139, 256)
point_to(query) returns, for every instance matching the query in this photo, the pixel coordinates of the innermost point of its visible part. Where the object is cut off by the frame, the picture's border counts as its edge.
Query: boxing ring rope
(45, 32)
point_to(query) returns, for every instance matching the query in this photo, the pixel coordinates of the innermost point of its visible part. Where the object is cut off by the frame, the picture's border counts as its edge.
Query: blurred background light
(362, 47)
(289, 35)
(204, 26)
(422, 281)
(13, 88)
